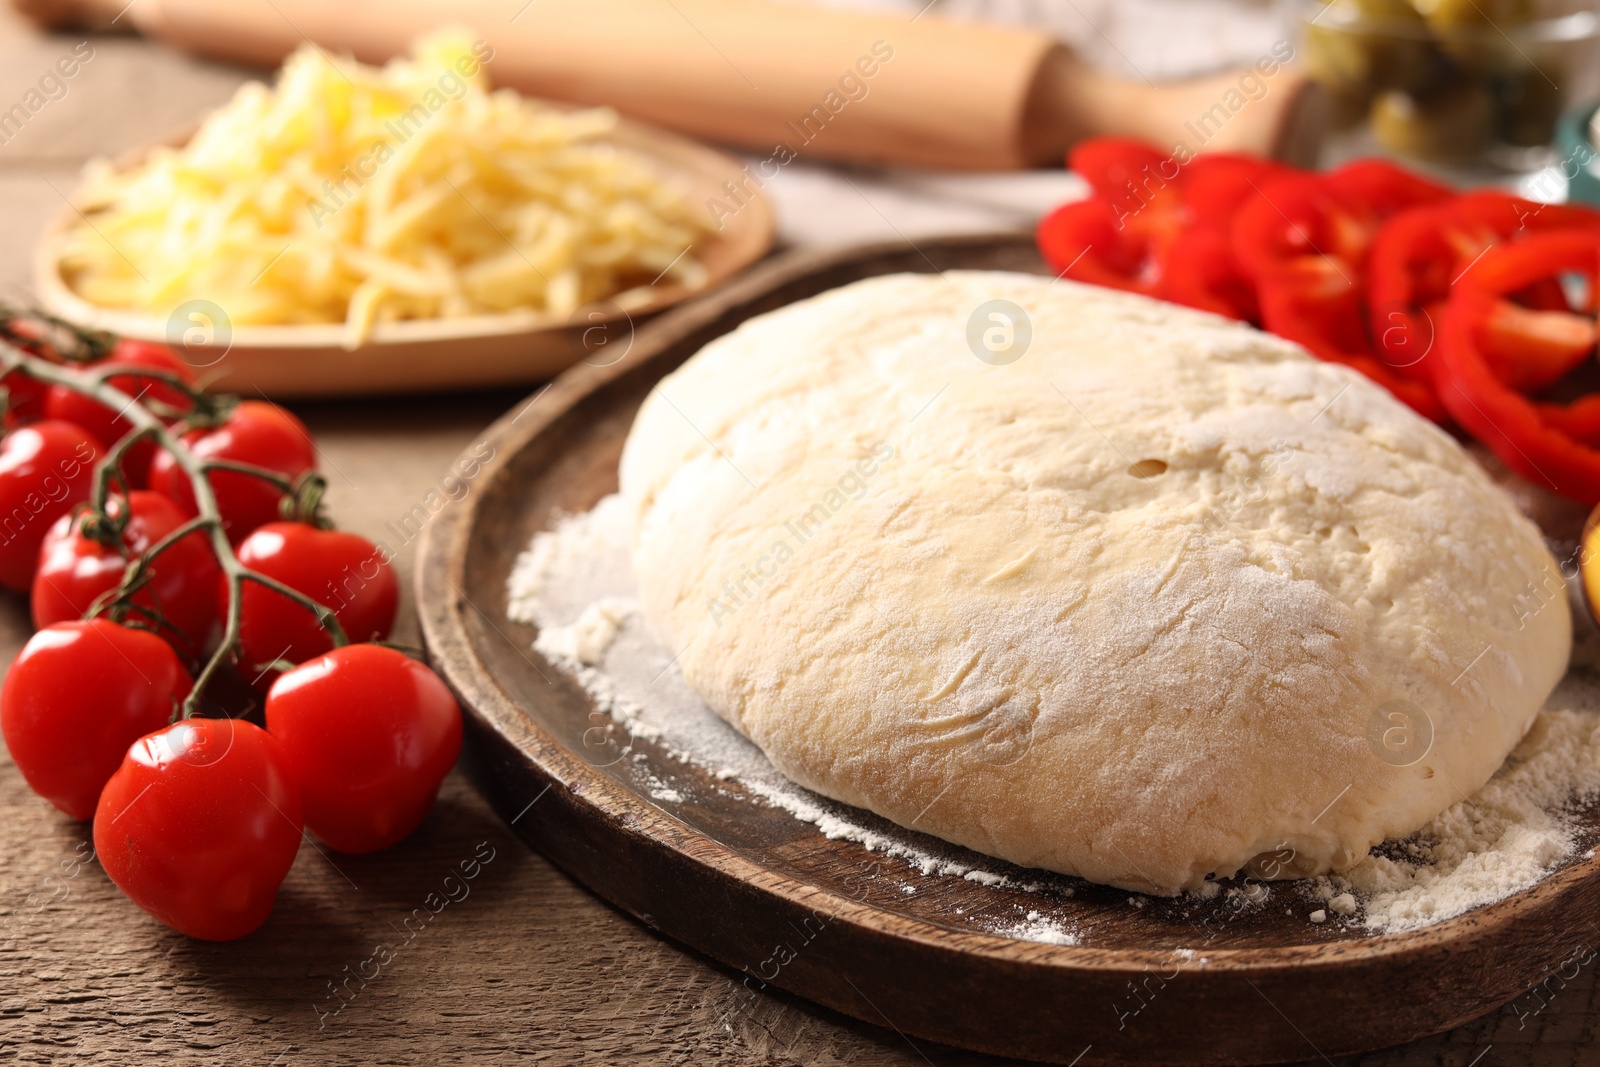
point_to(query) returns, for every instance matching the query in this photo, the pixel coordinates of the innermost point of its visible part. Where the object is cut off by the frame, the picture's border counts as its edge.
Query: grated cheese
(356, 194)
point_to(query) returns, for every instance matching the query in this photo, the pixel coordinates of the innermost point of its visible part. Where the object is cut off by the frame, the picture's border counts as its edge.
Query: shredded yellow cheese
(356, 194)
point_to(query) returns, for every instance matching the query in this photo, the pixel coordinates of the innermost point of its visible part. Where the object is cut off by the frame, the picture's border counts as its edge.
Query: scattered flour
(1504, 838)
(575, 583)
(1038, 928)
(831, 819)
(586, 640)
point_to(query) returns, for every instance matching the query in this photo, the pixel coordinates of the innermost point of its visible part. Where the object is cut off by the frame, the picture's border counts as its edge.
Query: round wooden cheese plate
(420, 355)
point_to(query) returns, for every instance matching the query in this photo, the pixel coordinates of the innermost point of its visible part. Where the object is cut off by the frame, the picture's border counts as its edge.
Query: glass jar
(1460, 84)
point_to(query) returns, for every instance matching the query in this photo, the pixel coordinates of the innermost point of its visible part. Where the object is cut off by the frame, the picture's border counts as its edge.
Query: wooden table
(529, 965)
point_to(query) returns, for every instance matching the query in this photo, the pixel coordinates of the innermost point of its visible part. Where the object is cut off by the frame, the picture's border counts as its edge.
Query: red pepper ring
(1314, 302)
(1298, 216)
(1414, 259)
(1579, 420)
(1514, 427)
(1080, 240)
(1386, 188)
(1124, 171)
(1198, 271)
(1419, 254)
(1335, 214)
(1216, 185)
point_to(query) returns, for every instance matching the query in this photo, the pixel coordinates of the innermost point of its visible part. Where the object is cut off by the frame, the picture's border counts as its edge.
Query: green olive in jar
(1447, 124)
(1346, 110)
(1358, 47)
(1530, 102)
(1478, 34)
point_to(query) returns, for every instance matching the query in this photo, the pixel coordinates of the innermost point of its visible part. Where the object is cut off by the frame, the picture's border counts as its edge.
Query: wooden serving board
(1165, 982)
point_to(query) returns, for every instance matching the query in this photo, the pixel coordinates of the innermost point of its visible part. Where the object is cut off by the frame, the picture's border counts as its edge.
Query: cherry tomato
(108, 426)
(25, 395)
(257, 433)
(74, 570)
(343, 571)
(77, 696)
(45, 470)
(24, 399)
(370, 733)
(200, 825)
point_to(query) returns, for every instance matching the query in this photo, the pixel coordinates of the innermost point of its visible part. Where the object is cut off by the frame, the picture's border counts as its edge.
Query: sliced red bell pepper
(1385, 188)
(1545, 443)
(1142, 236)
(1156, 208)
(1304, 241)
(1299, 216)
(1081, 240)
(1199, 267)
(1127, 173)
(1115, 236)
(1315, 301)
(1198, 270)
(1218, 184)
(1579, 420)
(1335, 214)
(1419, 254)
(1530, 349)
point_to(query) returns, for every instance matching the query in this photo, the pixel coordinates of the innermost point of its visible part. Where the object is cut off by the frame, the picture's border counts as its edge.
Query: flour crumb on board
(586, 640)
(580, 551)
(1036, 927)
(807, 807)
(575, 583)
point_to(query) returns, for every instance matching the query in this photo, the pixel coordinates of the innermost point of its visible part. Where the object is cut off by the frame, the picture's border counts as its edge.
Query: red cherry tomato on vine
(108, 426)
(45, 469)
(370, 733)
(200, 825)
(343, 571)
(25, 395)
(257, 433)
(24, 399)
(77, 696)
(74, 570)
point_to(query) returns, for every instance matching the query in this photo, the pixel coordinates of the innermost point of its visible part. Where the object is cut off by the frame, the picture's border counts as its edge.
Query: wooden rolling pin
(823, 82)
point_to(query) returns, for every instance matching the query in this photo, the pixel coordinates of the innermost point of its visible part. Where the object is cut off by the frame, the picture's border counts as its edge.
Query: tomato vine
(301, 495)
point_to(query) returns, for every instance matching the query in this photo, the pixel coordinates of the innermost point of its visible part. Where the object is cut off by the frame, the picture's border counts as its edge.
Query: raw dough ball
(1162, 598)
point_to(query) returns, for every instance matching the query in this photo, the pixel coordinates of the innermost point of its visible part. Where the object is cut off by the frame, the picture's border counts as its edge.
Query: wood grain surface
(528, 966)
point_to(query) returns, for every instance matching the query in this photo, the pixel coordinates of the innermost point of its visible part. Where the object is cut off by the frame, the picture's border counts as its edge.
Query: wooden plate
(424, 354)
(1163, 983)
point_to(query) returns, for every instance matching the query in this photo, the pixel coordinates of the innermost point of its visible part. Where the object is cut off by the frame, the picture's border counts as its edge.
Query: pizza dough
(1145, 597)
